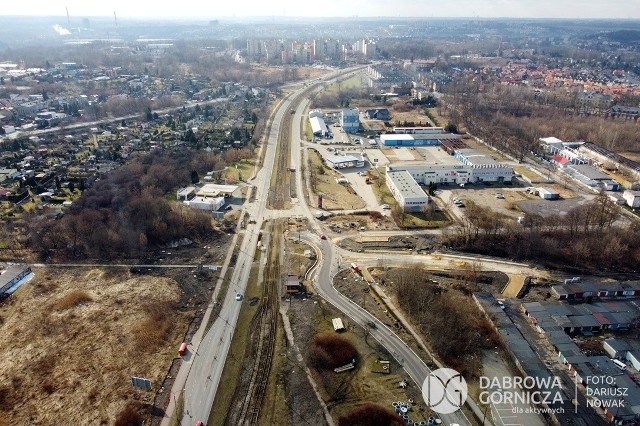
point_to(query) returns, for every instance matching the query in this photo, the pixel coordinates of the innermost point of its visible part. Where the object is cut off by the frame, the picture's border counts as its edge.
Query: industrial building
(548, 194)
(592, 177)
(436, 167)
(416, 139)
(206, 203)
(185, 194)
(215, 190)
(12, 276)
(345, 161)
(318, 124)
(426, 172)
(419, 130)
(632, 198)
(484, 168)
(318, 127)
(589, 153)
(350, 120)
(406, 191)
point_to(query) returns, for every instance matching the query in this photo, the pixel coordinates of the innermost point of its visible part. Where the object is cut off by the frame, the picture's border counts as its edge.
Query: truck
(183, 349)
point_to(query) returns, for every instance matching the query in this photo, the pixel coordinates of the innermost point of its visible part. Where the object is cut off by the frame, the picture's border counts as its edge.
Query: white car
(500, 195)
(238, 296)
(385, 206)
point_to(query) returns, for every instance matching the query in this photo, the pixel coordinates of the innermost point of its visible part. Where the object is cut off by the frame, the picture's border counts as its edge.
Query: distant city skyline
(585, 9)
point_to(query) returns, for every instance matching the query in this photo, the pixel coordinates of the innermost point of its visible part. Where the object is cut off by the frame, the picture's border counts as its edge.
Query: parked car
(499, 195)
(385, 206)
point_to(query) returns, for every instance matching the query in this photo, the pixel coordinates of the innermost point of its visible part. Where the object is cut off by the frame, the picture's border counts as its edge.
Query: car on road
(199, 423)
(459, 204)
(385, 206)
(501, 303)
(323, 237)
(238, 296)
(362, 173)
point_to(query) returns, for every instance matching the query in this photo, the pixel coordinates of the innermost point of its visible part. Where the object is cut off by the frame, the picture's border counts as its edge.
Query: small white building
(8, 129)
(345, 161)
(632, 198)
(206, 203)
(548, 194)
(185, 194)
(406, 191)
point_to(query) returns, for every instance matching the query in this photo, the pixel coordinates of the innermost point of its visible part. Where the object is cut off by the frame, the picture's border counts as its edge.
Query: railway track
(265, 323)
(279, 190)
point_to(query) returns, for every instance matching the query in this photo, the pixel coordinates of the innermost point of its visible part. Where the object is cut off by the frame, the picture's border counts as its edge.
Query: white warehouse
(406, 191)
(484, 168)
(426, 173)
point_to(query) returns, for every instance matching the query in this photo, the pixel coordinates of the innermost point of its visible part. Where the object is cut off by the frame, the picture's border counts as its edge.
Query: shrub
(129, 416)
(370, 414)
(328, 352)
(75, 298)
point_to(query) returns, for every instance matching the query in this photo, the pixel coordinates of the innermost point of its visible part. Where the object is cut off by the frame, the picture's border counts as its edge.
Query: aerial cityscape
(334, 214)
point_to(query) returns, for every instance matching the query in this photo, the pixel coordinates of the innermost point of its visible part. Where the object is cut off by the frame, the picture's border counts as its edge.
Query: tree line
(514, 118)
(128, 210)
(589, 237)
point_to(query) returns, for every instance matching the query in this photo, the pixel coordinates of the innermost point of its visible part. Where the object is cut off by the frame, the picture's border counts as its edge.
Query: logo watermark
(444, 390)
(523, 394)
(603, 392)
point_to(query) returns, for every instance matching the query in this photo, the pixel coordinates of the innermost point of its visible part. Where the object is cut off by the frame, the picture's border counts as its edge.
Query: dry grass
(73, 299)
(336, 196)
(74, 338)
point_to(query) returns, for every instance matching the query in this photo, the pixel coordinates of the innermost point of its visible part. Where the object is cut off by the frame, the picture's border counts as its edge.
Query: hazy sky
(328, 8)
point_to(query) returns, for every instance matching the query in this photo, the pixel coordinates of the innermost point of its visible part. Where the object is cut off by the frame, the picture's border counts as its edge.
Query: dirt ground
(417, 243)
(352, 223)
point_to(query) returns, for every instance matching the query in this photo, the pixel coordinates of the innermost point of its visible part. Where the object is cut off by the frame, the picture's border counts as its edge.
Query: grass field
(352, 82)
(336, 196)
(382, 192)
(73, 339)
(420, 220)
(361, 384)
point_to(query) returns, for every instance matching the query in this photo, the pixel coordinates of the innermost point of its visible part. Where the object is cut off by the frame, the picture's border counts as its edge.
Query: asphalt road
(205, 362)
(410, 361)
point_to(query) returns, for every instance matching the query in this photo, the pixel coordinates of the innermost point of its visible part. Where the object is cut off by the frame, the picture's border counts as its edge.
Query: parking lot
(507, 200)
